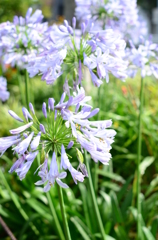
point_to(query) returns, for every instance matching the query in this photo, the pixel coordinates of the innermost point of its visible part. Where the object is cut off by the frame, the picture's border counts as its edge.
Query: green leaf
(107, 206)
(120, 232)
(152, 185)
(112, 186)
(147, 234)
(117, 215)
(83, 191)
(134, 212)
(81, 228)
(145, 164)
(26, 224)
(40, 208)
(154, 227)
(127, 202)
(111, 175)
(124, 188)
(98, 235)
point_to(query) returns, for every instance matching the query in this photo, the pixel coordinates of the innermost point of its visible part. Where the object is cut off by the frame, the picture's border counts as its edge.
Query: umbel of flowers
(112, 13)
(62, 129)
(120, 15)
(143, 58)
(69, 51)
(23, 38)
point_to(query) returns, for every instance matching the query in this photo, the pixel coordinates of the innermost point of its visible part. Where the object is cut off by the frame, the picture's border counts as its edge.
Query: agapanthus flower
(4, 94)
(123, 16)
(113, 13)
(144, 58)
(23, 38)
(66, 125)
(68, 51)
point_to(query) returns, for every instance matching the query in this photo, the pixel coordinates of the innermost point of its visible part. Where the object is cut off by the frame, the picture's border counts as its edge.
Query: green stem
(98, 217)
(56, 221)
(20, 87)
(27, 88)
(17, 203)
(65, 223)
(138, 162)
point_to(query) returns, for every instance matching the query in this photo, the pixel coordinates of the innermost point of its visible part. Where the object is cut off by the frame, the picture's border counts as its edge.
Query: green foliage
(25, 208)
(10, 8)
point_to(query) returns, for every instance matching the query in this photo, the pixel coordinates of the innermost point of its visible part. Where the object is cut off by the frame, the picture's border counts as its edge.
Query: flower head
(23, 38)
(115, 14)
(62, 130)
(69, 50)
(144, 58)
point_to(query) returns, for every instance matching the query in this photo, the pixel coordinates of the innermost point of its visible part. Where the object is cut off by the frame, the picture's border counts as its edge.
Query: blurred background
(57, 10)
(26, 209)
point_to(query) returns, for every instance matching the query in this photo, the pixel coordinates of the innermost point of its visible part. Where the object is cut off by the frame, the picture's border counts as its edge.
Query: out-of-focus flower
(120, 15)
(144, 58)
(23, 38)
(4, 94)
(63, 129)
(69, 50)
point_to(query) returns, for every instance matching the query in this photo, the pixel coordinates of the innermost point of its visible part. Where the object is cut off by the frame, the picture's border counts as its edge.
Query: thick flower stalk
(119, 15)
(23, 38)
(62, 129)
(4, 94)
(69, 51)
(144, 58)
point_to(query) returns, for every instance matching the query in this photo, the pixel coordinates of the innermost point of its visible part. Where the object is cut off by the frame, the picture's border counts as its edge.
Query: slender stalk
(27, 88)
(20, 87)
(56, 221)
(97, 164)
(6, 228)
(98, 217)
(65, 223)
(138, 162)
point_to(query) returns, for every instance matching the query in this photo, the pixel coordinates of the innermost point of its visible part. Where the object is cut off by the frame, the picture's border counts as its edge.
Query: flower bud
(51, 102)
(31, 108)
(74, 22)
(44, 110)
(42, 128)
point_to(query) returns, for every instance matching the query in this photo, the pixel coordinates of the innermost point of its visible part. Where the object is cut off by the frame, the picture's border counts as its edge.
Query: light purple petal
(21, 129)
(61, 184)
(15, 116)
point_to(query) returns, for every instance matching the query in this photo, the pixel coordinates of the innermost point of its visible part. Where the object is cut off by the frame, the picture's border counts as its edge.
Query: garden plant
(79, 125)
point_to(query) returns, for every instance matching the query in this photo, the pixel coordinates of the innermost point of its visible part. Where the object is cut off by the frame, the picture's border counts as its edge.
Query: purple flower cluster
(68, 50)
(63, 129)
(120, 15)
(23, 38)
(4, 94)
(145, 58)
(122, 10)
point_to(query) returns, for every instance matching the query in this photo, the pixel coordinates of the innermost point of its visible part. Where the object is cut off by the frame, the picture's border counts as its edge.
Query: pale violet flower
(4, 94)
(68, 51)
(66, 125)
(23, 38)
(143, 58)
(52, 176)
